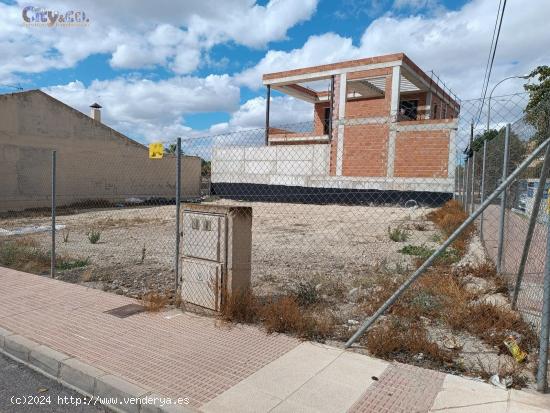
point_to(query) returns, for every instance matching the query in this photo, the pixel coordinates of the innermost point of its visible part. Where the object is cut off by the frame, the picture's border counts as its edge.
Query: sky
(163, 68)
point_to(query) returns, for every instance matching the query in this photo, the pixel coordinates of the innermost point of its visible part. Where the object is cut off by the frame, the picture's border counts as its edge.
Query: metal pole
(178, 201)
(472, 198)
(531, 227)
(466, 185)
(457, 183)
(503, 200)
(470, 182)
(542, 382)
(482, 195)
(267, 104)
(382, 309)
(463, 184)
(53, 212)
(331, 107)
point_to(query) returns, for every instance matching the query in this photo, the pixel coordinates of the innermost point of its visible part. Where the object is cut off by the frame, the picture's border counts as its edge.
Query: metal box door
(201, 283)
(203, 256)
(203, 236)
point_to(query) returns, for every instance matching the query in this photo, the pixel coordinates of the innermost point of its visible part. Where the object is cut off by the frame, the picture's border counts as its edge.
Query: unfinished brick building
(383, 129)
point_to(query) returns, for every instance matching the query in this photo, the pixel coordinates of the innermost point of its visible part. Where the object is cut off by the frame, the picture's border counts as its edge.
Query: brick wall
(319, 117)
(422, 154)
(365, 150)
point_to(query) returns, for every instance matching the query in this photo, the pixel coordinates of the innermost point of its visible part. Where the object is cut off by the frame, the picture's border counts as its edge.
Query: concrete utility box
(216, 243)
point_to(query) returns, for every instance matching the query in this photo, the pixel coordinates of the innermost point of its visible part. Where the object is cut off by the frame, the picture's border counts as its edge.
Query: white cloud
(454, 44)
(143, 34)
(284, 110)
(151, 109)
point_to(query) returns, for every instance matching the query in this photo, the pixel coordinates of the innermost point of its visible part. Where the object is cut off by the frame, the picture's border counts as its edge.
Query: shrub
(93, 236)
(398, 339)
(306, 292)
(240, 307)
(449, 256)
(154, 301)
(398, 234)
(63, 263)
(449, 217)
(282, 315)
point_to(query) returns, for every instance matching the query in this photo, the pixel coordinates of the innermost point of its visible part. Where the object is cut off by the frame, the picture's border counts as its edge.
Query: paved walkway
(225, 368)
(515, 230)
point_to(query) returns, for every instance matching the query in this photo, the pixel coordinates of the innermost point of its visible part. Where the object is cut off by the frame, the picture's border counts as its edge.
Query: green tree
(495, 156)
(537, 111)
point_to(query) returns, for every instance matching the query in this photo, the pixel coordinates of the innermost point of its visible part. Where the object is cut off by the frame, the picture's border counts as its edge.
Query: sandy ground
(290, 242)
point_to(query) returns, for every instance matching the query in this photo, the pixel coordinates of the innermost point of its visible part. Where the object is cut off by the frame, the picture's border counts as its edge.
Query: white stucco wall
(305, 166)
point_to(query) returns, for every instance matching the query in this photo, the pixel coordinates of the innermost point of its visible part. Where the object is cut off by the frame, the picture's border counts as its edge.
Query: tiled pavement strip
(223, 368)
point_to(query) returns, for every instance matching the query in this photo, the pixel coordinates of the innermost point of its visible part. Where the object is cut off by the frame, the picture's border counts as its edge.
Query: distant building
(383, 129)
(93, 161)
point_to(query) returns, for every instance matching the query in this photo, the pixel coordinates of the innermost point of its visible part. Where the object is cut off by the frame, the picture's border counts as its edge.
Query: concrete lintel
(397, 126)
(19, 346)
(326, 74)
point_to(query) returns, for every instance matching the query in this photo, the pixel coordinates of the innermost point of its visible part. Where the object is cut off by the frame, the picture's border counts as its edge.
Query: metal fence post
(467, 184)
(463, 183)
(53, 212)
(472, 197)
(532, 221)
(482, 190)
(542, 380)
(178, 201)
(503, 200)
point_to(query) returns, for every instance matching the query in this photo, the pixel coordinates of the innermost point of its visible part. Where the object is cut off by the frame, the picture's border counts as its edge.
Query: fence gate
(215, 254)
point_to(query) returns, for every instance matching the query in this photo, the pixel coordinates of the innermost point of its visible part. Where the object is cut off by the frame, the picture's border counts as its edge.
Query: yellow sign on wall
(156, 150)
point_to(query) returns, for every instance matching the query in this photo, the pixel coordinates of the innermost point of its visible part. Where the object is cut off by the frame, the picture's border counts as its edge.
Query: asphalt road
(24, 390)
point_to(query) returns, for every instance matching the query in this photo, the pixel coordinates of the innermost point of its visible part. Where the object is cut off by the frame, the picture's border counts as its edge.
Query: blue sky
(164, 69)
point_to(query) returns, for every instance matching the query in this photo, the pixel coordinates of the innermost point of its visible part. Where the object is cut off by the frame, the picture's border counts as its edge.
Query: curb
(85, 379)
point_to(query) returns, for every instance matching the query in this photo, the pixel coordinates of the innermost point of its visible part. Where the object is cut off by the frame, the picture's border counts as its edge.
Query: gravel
(290, 242)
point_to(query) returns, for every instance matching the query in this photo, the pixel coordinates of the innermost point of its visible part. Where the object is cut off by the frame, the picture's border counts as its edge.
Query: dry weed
(398, 339)
(449, 217)
(154, 301)
(240, 307)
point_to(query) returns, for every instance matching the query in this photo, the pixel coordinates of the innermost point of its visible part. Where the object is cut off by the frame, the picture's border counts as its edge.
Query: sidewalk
(63, 329)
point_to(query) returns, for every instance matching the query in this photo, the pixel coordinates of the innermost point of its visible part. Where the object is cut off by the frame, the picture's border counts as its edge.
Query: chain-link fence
(322, 220)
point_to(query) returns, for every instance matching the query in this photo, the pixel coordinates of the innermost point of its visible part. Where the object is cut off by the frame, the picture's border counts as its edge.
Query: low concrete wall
(304, 166)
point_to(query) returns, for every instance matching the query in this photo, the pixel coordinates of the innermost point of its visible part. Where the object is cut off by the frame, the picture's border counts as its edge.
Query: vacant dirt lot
(290, 242)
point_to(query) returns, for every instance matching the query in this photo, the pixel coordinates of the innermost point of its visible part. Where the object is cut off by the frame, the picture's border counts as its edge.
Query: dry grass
(109, 222)
(281, 314)
(240, 307)
(399, 339)
(25, 254)
(485, 270)
(448, 218)
(154, 301)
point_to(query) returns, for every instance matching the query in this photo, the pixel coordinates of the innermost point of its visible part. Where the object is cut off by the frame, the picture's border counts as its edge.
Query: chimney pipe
(96, 112)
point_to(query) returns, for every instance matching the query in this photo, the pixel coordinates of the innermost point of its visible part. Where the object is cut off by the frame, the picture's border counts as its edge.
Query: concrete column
(341, 117)
(395, 84)
(391, 152)
(428, 106)
(394, 110)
